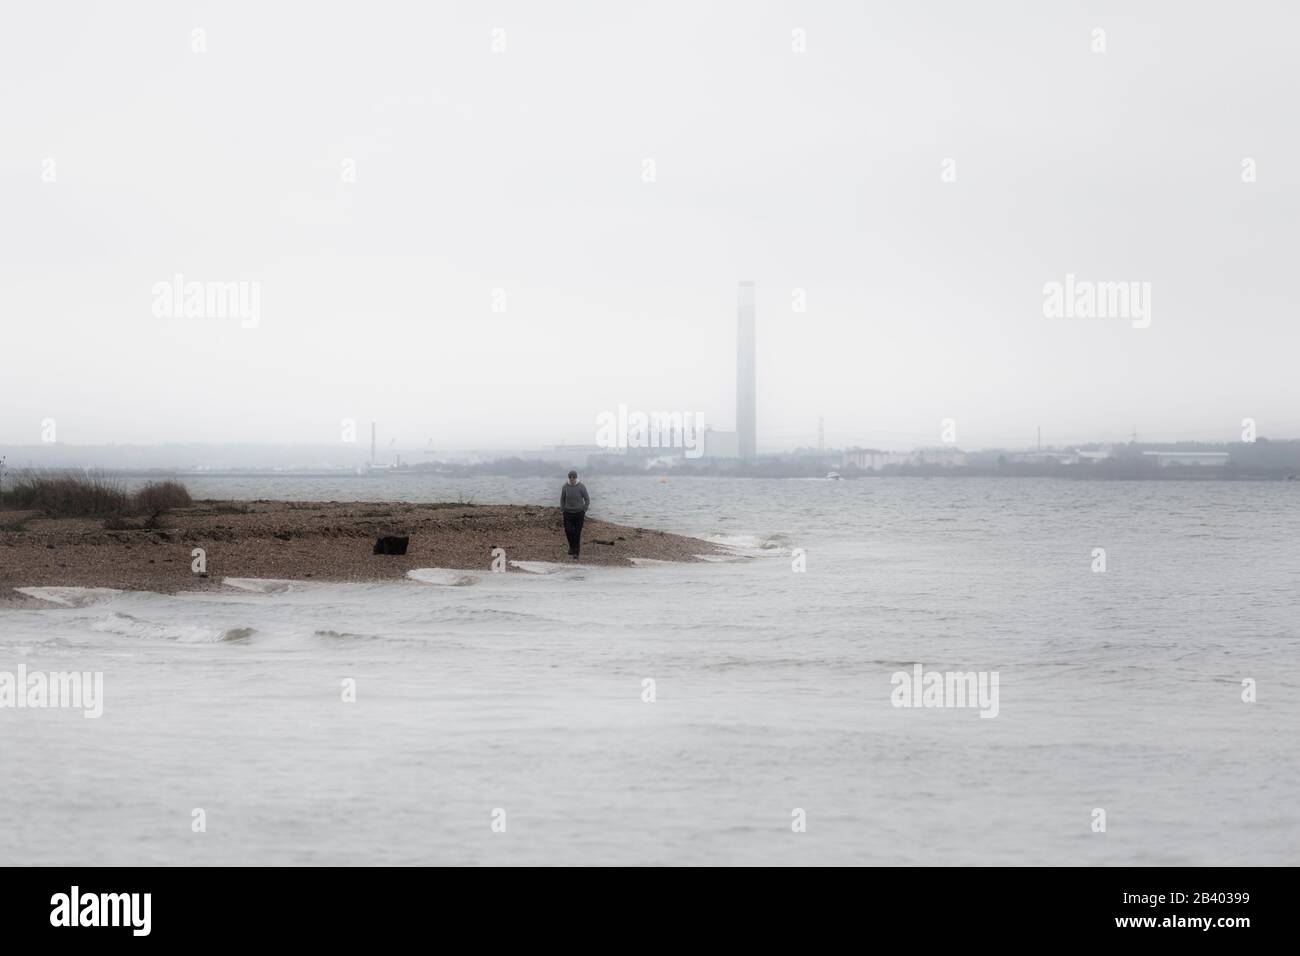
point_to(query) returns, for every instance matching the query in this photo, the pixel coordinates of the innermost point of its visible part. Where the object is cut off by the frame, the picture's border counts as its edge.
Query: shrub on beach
(158, 496)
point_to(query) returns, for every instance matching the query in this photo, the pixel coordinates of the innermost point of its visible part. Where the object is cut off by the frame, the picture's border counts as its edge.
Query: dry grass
(89, 494)
(58, 495)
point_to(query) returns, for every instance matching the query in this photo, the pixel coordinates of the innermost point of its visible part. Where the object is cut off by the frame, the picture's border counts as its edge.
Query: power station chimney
(372, 443)
(746, 378)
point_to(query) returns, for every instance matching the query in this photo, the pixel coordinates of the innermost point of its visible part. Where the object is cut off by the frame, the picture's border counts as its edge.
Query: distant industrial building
(1046, 457)
(871, 459)
(1167, 458)
(1100, 455)
(746, 374)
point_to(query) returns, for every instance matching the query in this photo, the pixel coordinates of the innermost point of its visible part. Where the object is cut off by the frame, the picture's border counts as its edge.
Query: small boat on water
(833, 476)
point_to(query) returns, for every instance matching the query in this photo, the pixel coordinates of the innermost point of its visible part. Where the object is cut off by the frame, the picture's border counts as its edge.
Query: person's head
(573, 477)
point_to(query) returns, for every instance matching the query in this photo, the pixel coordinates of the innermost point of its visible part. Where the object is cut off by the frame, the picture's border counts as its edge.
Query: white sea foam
(262, 585)
(751, 545)
(540, 567)
(449, 577)
(70, 596)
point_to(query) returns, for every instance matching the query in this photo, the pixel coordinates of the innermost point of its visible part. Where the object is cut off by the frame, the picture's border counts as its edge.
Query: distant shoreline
(305, 540)
(1263, 459)
(1066, 473)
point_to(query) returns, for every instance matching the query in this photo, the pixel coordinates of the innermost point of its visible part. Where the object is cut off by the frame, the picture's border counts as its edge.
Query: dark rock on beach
(392, 544)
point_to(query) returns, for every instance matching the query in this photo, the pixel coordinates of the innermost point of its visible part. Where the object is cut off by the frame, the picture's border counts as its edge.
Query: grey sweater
(574, 497)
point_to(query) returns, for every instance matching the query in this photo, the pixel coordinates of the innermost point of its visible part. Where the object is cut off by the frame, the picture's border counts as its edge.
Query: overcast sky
(524, 171)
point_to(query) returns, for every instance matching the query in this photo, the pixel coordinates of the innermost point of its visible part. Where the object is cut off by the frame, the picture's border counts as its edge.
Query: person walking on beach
(574, 502)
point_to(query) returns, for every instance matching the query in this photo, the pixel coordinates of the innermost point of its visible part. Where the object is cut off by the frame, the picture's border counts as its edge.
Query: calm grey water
(1118, 690)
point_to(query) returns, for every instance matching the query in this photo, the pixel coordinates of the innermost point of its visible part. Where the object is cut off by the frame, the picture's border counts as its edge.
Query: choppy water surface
(1118, 690)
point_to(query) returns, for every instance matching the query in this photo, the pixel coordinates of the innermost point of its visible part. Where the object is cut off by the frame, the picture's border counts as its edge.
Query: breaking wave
(128, 626)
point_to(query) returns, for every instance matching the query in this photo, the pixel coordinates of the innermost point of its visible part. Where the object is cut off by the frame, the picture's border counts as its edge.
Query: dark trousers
(573, 530)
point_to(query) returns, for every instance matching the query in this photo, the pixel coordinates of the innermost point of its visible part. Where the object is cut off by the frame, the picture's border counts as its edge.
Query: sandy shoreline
(306, 540)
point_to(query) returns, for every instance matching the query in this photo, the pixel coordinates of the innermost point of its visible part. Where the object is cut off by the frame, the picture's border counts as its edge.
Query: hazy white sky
(522, 171)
